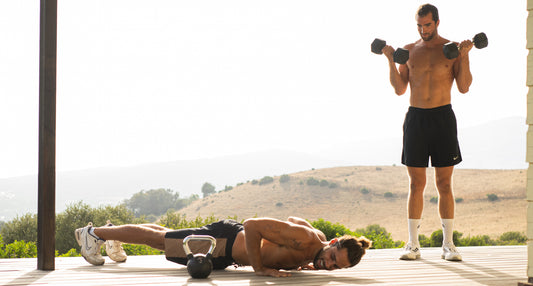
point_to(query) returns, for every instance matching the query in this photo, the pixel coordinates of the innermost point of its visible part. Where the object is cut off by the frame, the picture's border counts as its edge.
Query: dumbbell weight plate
(450, 50)
(481, 40)
(401, 56)
(377, 45)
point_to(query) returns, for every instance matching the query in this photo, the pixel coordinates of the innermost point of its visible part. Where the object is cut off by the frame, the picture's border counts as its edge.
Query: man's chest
(280, 257)
(424, 60)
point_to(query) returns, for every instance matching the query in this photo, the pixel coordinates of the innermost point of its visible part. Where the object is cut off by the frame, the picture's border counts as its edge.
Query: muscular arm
(399, 77)
(276, 231)
(461, 67)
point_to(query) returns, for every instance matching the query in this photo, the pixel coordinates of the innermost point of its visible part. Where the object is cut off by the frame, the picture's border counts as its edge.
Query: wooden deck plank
(495, 265)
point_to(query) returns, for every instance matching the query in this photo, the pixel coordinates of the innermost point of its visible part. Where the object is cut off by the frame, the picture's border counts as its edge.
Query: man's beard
(315, 261)
(429, 37)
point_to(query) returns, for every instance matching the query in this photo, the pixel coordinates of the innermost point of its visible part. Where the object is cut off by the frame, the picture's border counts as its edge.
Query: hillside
(347, 205)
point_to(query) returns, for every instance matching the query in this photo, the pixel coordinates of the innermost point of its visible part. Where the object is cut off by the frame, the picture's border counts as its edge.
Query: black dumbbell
(451, 50)
(400, 55)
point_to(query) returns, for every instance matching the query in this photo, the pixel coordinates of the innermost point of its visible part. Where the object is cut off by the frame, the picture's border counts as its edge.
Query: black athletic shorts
(430, 133)
(224, 231)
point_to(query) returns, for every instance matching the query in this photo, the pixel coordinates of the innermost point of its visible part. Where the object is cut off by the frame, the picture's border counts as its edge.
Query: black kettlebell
(199, 265)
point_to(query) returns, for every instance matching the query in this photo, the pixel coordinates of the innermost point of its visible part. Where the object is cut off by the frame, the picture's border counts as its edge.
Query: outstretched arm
(276, 231)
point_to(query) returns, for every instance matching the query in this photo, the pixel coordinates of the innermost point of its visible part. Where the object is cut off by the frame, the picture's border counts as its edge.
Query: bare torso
(275, 256)
(431, 74)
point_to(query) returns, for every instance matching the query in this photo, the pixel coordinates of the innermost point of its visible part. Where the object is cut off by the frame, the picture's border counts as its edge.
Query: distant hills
(495, 145)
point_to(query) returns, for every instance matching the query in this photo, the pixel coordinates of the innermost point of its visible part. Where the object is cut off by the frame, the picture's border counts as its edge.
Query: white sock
(447, 230)
(91, 232)
(413, 226)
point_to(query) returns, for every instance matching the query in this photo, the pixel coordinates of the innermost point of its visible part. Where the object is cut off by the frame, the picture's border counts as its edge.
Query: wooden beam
(47, 136)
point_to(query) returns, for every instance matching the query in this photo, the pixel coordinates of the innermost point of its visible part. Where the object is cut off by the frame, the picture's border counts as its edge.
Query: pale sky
(153, 81)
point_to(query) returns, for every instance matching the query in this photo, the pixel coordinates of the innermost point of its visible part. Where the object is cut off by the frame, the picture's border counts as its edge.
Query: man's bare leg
(443, 180)
(417, 184)
(415, 206)
(151, 235)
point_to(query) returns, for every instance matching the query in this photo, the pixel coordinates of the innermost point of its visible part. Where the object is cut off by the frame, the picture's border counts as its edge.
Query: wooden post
(46, 225)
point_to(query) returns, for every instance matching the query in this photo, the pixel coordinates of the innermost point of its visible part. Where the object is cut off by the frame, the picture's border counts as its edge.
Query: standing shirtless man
(430, 128)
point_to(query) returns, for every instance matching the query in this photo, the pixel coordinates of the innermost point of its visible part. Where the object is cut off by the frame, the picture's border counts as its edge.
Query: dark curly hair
(426, 9)
(356, 247)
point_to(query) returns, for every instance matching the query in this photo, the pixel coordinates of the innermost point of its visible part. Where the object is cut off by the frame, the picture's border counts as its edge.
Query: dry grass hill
(349, 205)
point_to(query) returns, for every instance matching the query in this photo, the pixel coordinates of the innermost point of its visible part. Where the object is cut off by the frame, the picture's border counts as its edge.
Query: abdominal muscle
(430, 78)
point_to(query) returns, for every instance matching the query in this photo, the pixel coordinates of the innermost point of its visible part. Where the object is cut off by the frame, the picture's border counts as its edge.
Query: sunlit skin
(430, 76)
(272, 245)
(268, 245)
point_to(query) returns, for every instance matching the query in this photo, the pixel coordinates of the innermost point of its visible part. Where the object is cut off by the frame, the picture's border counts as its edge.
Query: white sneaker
(450, 252)
(114, 249)
(90, 245)
(410, 252)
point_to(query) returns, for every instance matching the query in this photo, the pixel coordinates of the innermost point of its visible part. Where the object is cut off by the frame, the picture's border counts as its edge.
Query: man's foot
(114, 249)
(90, 245)
(450, 253)
(410, 252)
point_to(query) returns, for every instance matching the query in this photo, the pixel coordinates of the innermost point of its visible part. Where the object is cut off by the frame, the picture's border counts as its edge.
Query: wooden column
(46, 225)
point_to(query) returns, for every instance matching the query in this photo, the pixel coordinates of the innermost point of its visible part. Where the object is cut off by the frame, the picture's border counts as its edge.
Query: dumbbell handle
(199, 237)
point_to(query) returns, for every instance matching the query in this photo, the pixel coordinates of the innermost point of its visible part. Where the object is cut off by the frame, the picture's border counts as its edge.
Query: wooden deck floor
(495, 265)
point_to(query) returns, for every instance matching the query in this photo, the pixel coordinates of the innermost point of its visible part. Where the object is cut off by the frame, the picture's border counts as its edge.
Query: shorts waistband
(428, 110)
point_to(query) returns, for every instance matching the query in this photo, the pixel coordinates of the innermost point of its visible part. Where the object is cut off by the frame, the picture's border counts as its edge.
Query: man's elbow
(463, 90)
(399, 91)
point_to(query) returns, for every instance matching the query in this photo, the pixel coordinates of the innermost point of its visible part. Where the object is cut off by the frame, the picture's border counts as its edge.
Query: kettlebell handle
(199, 237)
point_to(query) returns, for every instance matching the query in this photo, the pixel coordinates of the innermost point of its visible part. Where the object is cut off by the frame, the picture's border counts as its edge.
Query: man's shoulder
(411, 45)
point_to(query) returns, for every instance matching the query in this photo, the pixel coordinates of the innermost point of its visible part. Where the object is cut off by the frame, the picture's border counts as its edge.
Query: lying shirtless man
(268, 245)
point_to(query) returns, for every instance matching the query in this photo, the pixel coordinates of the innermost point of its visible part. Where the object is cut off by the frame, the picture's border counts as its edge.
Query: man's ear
(333, 241)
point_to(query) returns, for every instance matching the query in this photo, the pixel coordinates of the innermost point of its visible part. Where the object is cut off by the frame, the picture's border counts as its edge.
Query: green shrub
(331, 230)
(279, 204)
(255, 182)
(324, 183)
(388, 195)
(227, 188)
(436, 238)
(459, 200)
(364, 191)
(478, 240)
(136, 249)
(513, 238)
(266, 180)
(19, 249)
(174, 220)
(492, 197)
(332, 185)
(434, 200)
(71, 253)
(424, 241)
(312, 182)
(284, 178)
(379, 236)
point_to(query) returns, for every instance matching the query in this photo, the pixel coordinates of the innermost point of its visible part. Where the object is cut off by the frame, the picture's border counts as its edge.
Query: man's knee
(444, 185)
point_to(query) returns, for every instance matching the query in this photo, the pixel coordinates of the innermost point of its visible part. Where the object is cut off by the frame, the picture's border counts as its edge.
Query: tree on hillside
(208, 189)
(155, 202)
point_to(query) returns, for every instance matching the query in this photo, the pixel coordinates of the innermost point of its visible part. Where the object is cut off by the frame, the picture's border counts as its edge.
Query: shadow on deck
(494, 265)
